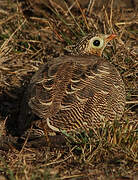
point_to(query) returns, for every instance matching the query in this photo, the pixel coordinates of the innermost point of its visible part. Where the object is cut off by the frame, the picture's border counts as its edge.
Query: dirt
(31, 33)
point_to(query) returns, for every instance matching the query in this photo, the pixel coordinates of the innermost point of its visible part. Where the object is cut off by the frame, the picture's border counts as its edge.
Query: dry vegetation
(32, 33)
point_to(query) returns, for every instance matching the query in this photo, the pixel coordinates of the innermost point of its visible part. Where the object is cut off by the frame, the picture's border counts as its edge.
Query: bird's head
(96, 44)
(92, 44)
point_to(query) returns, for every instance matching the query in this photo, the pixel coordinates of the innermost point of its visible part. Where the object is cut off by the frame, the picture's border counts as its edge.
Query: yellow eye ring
(96, 42)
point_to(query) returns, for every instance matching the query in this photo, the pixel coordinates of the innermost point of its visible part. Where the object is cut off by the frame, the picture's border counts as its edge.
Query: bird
(78, 91)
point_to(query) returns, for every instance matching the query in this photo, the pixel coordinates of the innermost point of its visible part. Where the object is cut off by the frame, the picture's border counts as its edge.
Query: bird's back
(73, 92)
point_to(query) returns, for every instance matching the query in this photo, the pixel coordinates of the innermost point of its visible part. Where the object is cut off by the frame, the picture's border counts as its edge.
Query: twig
(73, 176)
(25, 141)
(90, 7)
(111, 14)
(10, 38)
(132, 102)
(84, 17)
(125, 23)
(57, 162)
(74, 19)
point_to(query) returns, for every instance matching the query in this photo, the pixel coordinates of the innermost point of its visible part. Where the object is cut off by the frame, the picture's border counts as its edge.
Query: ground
(33, 32)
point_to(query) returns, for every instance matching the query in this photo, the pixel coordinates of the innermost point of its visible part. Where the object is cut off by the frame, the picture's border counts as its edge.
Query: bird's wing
(61, 84)
(71, 92)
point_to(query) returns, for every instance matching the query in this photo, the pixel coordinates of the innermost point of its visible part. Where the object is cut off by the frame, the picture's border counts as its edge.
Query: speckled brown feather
(76, 92)
(78, 48)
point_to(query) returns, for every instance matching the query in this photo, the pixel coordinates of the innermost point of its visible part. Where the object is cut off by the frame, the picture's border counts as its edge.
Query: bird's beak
(110, 37)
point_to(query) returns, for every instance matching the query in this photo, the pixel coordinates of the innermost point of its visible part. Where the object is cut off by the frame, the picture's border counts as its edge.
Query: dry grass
(106, 153)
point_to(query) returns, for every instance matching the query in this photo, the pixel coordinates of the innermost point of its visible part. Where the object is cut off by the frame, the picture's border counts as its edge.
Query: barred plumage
(78, 91)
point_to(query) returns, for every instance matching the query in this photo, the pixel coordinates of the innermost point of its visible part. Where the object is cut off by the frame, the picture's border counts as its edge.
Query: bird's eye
(96, 42)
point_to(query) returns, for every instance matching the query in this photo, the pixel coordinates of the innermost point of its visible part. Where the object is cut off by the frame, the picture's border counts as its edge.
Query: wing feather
(72, 92)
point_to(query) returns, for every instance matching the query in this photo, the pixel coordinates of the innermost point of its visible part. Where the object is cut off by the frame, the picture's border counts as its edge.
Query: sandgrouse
(78, 91)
